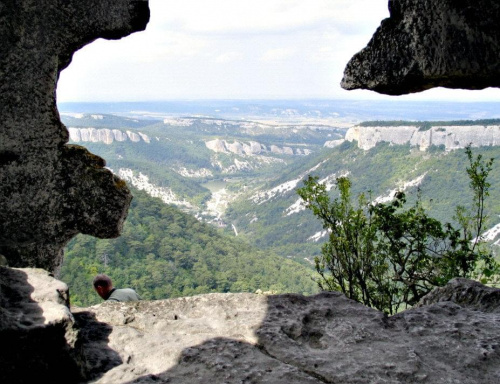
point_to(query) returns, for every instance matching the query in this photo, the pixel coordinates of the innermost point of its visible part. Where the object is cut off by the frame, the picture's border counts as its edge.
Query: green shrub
(387, 256)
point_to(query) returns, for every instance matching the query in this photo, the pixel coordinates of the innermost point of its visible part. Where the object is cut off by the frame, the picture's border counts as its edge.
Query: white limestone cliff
(104, 135)
(451, 137)
(252, 148)
(142, 182)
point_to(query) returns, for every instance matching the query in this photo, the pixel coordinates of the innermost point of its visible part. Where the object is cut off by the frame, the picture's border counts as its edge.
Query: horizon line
(274, 99)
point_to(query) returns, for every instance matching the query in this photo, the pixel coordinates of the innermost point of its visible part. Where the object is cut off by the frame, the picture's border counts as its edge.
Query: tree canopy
(165, 253)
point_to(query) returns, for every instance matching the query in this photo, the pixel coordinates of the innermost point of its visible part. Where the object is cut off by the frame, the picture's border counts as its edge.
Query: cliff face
(452, 137)
(252, 148)
(453, 337)
(50, 191)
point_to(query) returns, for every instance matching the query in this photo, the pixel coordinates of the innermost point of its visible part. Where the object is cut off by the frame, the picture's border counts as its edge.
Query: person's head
(103, 285)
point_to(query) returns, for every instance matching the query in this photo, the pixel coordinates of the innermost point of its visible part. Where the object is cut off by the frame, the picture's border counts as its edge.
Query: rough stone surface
(327, 338)
(453, 336)
(36, 328)
(466, 293)
(430, 43)
(42, 180)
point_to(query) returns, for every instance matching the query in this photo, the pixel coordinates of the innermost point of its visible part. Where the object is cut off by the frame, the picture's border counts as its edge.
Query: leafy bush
(389, 257)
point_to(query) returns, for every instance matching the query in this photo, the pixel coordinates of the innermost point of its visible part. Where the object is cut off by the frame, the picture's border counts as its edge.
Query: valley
(240, 175)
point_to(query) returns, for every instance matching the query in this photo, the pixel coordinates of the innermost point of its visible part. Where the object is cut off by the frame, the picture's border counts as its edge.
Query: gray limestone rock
(452, 337)
(327, 338)
(36, 328)
(430, 43)
(467, 293)
(43, 182)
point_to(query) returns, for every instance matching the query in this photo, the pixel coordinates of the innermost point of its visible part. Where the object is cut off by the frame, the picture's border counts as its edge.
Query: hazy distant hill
(352, 111)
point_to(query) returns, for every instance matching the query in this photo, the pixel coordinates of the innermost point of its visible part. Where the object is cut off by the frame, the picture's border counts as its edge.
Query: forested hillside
(273, 217)
(165, 253)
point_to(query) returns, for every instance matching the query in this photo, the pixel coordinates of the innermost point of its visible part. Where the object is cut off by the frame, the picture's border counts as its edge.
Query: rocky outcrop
(50, 191)
(142, 182)
(194, 173)
(453, 336)
(223, 146)
(430, 43)
(233, 338)
(466, 293)
(451, 137)
(333, 143)
(281, 150)
(106, 136)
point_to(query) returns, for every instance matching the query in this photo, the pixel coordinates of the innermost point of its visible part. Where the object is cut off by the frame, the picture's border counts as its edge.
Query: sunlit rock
(450, 137)
(283, 339)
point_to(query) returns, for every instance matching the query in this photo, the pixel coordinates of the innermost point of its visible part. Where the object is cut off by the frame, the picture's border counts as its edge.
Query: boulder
(466, 293)
(430, 43)
(44, 183)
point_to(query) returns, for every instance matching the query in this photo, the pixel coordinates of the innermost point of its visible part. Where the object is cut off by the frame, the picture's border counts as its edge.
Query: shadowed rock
(41, 340)
(36, 328)
(50, 191)
(430, 43)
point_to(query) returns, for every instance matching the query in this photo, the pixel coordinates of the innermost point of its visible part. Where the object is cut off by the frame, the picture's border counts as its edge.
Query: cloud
(265, 16)
(233, 48)
(229, 57)
(277, 54)
(225, 47)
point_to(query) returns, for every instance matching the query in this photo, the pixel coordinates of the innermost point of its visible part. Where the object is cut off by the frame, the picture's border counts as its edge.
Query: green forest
(164, 253)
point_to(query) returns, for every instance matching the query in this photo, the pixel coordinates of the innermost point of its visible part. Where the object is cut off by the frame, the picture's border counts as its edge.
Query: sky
(236, 49)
